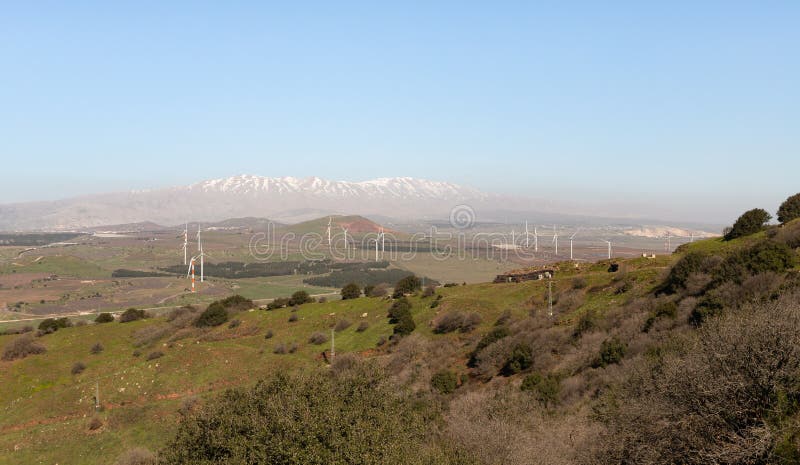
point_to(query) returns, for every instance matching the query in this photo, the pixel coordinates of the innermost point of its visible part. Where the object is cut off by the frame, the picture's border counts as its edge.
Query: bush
(789, 209)
(95, 424)
(234, 324)
(399, 308)
(546, 388)
(579, 282)
(214, 315)
(318, 338)
(464, 322)
(429, 291)
(268, 334)
(136, 456)
(363, 326)
(405, 325)
(521, 359)
(300, 298)
(497, 333)
(21, 347)
(293, 318)
(237, 302)
(96, 348)
(408, 285)
(611, 351)
(280, 302)
(280, 349)
(132, 314)
(341, 325)
(78, 368)
(665, 309)
(751, 222)
(689, 264)
(314, 417)
(104, 318)
(444, 381)
(293, 347)
(351, 291)
(51, 325)
(154, 355)
(586, 323)
(369, 289)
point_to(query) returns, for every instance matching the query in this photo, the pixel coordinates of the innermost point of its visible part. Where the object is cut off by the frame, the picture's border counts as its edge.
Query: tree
(51, 325)
(104, 318)
(351, 291)
(789, 209)
(214, 315)
(299, 298)
(750, 222)
(132, 314)
(408, 285)
(315, 418)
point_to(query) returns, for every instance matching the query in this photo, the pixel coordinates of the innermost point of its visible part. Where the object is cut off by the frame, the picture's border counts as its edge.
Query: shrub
(51, 325)
(300, 298)
(444, 381)
(280, 349)
(315, 417)
(96, 348)
(237, 302)
(137, 353)
(611, 351)
(21, 347)
(322, 300)
(280, 302)
(368, 289)
(268, 334)
(363, 326)
(318, 338)
(95, 424)
(380, 290)
(136, 456)
(381, 341)
(154, 355)
(789, 209)
(405, 325)
(293, 317)
(399, 307)
(104, 318)
(351, 291)
(234, 324)
(665, 309)
(504, 318)
(586, 323)
(293, 347)
(429, 291)
(408, 285)
(547, 389)
(579, 282)
(751, 222)
(214, 315)
(520, 359)
(497, 333)
(132, 314)
(464, 322)
(341, 325)
(78, 368)
(691, 263)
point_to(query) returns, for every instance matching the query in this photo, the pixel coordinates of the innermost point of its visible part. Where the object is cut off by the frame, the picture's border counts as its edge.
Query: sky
(687, 109)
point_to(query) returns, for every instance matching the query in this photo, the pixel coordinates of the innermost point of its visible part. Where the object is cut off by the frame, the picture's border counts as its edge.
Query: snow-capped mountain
(286, 199)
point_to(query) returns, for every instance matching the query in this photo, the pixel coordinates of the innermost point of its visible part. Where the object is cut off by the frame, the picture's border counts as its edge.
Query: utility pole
(333, 345)
(550, 298)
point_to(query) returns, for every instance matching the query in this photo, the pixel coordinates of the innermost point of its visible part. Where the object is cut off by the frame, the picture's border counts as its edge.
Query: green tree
(132, 314)
(521, 359)
(214, 315)
(750, 222)
(444, 381)
(104, 318)
(299, 298)
(349, 417)
(408, 285)
(351, 291)
(789, 209)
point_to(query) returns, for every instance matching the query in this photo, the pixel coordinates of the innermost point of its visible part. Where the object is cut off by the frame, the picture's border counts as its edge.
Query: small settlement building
(518, 276)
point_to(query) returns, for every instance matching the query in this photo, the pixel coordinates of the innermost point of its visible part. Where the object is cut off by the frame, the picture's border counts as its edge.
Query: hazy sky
(689, 107)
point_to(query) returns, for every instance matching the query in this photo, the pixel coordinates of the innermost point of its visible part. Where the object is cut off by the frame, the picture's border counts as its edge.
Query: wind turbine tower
(570, 242)
(200, 255)
(330, 221)
(609, 248)
(527, 242)
(555, 239)
(535, 240)
(185, 244)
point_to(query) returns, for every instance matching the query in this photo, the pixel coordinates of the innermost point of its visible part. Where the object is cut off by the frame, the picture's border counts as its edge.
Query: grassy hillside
(605, 324)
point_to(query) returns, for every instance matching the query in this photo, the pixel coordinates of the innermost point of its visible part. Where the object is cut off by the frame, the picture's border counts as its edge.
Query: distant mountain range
(285, 200)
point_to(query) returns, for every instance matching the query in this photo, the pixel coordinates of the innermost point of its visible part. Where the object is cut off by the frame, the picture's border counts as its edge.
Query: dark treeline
(34, 239)
(238, 270)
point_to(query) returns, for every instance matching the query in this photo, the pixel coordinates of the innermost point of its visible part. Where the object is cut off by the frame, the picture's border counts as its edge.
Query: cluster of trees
(362, 278)
(753, 221)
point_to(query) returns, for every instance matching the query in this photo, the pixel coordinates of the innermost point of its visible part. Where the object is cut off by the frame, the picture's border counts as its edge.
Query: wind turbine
(527, 242)
(609, 249)
(383, 241)
(555, 238)
(535, 240)
(330, 221)
(185, 244)
(200, 255)
(513, 239)
(190, 271)
(570, 242)
(345, 237)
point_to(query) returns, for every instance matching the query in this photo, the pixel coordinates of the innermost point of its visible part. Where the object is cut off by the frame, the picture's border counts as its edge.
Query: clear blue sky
(690, 106)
